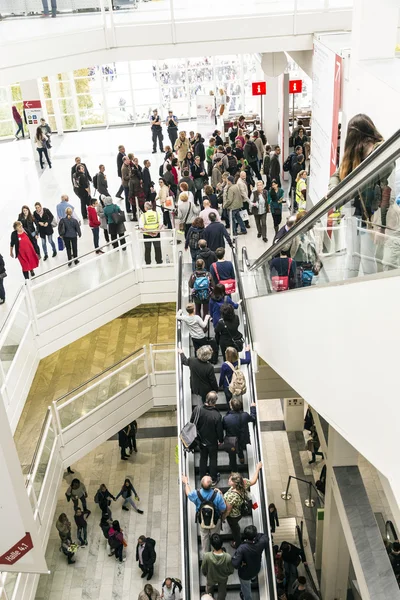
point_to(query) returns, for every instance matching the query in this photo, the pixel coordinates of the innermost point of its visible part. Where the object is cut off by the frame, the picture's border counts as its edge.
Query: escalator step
(226, 469)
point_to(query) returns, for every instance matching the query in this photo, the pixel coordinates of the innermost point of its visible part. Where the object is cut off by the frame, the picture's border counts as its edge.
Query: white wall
(338, 347)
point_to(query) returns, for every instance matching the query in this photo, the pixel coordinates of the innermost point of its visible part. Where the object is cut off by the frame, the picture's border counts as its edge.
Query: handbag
(244, 214)
(169, 203)
(230, 284)
(189, 435)
(118, 217)
(198, 183)
(60, 244)
(280, 283)
(230, 444)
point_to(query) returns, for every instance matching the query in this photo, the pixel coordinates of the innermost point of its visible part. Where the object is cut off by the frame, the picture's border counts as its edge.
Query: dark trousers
(202, 308)
(156, 134)
(173, 135)
(255, 169)
(121, 237)
(232, 459)
(198, 198)
(71, 246)
(20, 129)
(106, 236)
(148, 570)
(123, 452)
(41, 152)
(314, 454)
(75, 501)
(118, 552)
(209, 452)
(82, 534)
(128, 207)
(261, 224)
(120, 190)
(85, 200)
(132, 442)
(25, 274)
(96, 233)
(155, 241)
(233, 523)
(2, 290)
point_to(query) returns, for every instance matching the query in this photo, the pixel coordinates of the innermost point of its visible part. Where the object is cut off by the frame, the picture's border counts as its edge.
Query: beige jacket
(260, 148)
(243, 189)
(154, 596)
(182, 148)
(125, 174)
(233, 198)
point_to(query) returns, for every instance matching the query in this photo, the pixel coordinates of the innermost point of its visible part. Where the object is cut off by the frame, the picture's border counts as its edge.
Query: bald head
(206, 203)
(64, 198)
(206, 482)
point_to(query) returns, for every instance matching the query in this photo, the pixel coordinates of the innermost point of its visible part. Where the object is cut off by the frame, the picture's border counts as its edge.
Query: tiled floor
(74, 364)
(95, 575)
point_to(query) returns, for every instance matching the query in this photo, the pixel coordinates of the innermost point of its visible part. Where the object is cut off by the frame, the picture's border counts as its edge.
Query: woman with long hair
(127, 491)
(41, 147)
(24, 250)
(301, 191)
(219, 298)
(18, 120)
(29, 225)
(234, 498)
(275, 200)
(188, 161)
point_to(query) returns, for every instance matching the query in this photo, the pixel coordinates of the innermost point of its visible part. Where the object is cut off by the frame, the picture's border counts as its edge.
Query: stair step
(286, 532)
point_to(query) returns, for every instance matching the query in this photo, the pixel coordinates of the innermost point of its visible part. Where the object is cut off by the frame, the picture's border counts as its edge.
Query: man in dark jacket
(120, 159)
(102, 184)
(187, 179)
(148, 184)
(206, 254)
(236, 424)
(275, 166)
(247, 558)
(292, 557)
(202, 375)
(73, 170)
(146, 556)
(251, 155)
(211, 433)
(290, 221)
(215, 234)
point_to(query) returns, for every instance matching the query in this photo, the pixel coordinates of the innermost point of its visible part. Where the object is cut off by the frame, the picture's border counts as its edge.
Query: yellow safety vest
(151, 220)
(301, 185)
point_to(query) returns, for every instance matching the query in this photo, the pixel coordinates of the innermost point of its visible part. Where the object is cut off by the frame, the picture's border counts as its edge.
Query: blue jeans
(52, 244)
(237, 220)
(82, 534)
(20, 129)
(96, 233)
(46, 6)
(129, 501)
(245, 587)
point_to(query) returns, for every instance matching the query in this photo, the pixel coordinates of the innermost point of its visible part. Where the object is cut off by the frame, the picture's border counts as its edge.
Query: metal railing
(299, 531)
(309, 502)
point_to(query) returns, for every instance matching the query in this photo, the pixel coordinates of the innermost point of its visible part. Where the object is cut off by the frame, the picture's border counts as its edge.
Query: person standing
(275, 166)
(202, 374)
(156, 131)
(69, 229)
(116, 230)
(216, 567)
(41, 146)
(63, 527)
(29, 225)
(46, 12)
(195, 325)
(102, 217)
(150, 224)
(301, 191)
(292, 557)
(236, 421)
(81, 525)
(234, 498)
(3, 274)
(123, 441)
(216, 233)
(127, 491)
(116, 540)
(275, 201)
(205, 254)
(198, 174)
(62, 206)
(233, 201)
(260, 209)
(260, 147)
(211, 433)
(18, 120)
(201, 283)
(94, 223)
(247, 558)
(182, 147)
(120, 160)
(103, 499)
(251, 155)
(45, 127)
(82, 188)
(102, 183)
(132, 436)
(273, 517)
(171, 589)
(148, 184)
(126, 173)
(24, 250)
(150, 593)
(172, 127)
(77, 491)
(44, 222)
(214, 499)
(146, 555)
(209, 155)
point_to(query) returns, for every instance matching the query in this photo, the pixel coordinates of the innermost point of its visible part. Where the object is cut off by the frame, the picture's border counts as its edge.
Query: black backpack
(232, 164)
(253, 150)
(207, 515)
(288, 163)
(233, 135)
(95, 181)
(161, 170)
(194, 238)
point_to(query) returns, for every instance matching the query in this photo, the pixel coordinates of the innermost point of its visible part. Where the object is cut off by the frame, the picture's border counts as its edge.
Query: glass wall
(127, 92)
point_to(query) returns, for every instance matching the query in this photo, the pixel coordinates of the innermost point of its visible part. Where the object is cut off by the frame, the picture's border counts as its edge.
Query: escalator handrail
(299, 531)
(262, 483)
(384, 154)
(183, 501)
(389, 526)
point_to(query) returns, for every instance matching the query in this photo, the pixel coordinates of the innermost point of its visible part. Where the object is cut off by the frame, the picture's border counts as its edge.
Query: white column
(293, 414)
(271, 110)
(374, 29)
(335, 552)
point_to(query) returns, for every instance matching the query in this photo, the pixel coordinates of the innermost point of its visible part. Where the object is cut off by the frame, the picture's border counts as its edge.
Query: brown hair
(231, 354)
(199, 264)
(184, 186)
(190, 308)
(208, 190)
(361, 133)
(198, 222)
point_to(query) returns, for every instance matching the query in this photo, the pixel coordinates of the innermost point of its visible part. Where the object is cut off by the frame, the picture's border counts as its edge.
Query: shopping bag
(244, 214)
(60, 244)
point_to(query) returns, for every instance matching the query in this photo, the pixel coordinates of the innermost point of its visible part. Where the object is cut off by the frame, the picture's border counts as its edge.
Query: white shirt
(205, 215)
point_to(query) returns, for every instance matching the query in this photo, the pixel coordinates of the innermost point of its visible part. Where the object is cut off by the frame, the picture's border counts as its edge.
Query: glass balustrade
(13, 331)
(163, 358)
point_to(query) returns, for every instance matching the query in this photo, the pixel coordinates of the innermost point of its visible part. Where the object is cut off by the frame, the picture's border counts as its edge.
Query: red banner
(32, 104)
(335, 114)
(17, 551)
(259, 88)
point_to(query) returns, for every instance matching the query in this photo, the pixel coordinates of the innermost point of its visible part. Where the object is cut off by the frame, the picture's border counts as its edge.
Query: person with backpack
(227, 332)
(236, 424)
(217, 299)
(216, 566)
(116, 540)
(237, 502)
(230, 379)
(146, 556)
(202, 374)
(232, 162)
(247, 558)
(283, 272)
(149, 593)
(251, 155)
(204, 253)
(210, 505)
(127, 491)
(171, 588)
(194, 235)
(233, 132)
(201, 283)
(210, 433)
(100, 182)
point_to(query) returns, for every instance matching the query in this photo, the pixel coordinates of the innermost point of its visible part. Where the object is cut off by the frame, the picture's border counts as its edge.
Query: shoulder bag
(182, 224)
(230, 284)
(118, 217)
(280, 283)
(237, 339)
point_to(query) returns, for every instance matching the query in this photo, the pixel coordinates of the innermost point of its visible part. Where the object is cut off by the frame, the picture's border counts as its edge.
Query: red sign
(259, 88)
(32, 104)
(336, 107)
(17, 551)
(295, 86)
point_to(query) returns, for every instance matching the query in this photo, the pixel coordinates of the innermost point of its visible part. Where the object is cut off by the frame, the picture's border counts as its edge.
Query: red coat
(94, 220)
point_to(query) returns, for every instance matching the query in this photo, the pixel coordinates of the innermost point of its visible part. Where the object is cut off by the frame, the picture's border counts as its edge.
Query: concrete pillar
(273, 65)
(293, 414)
(335, 552)
(303, 58)
(374, 29)
(30, 92)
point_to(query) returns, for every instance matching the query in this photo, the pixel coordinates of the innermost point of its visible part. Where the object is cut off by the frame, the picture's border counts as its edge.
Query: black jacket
(199, 149)
(224, 332)
(196, 170)
(293, 555)
(209, 425)
(216, 234)
(103, 499)
(275, 168)
(147, 182)
(2, 265)
(236, 424)
(15, 243)
(46, 218)
(202, 376)
(73, 169)
(190, 183)
(208, 256)
(29, 226)
(120, 160)
(149, 554)
(247, 558)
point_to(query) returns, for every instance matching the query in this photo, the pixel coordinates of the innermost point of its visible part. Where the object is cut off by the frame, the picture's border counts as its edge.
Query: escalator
(191, 552)
(332, 337)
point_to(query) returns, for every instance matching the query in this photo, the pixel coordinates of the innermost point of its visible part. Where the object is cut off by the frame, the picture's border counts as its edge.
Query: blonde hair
(16, 224)
(231, 354)
(183, 197)
(300, 175)
(190, 308)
